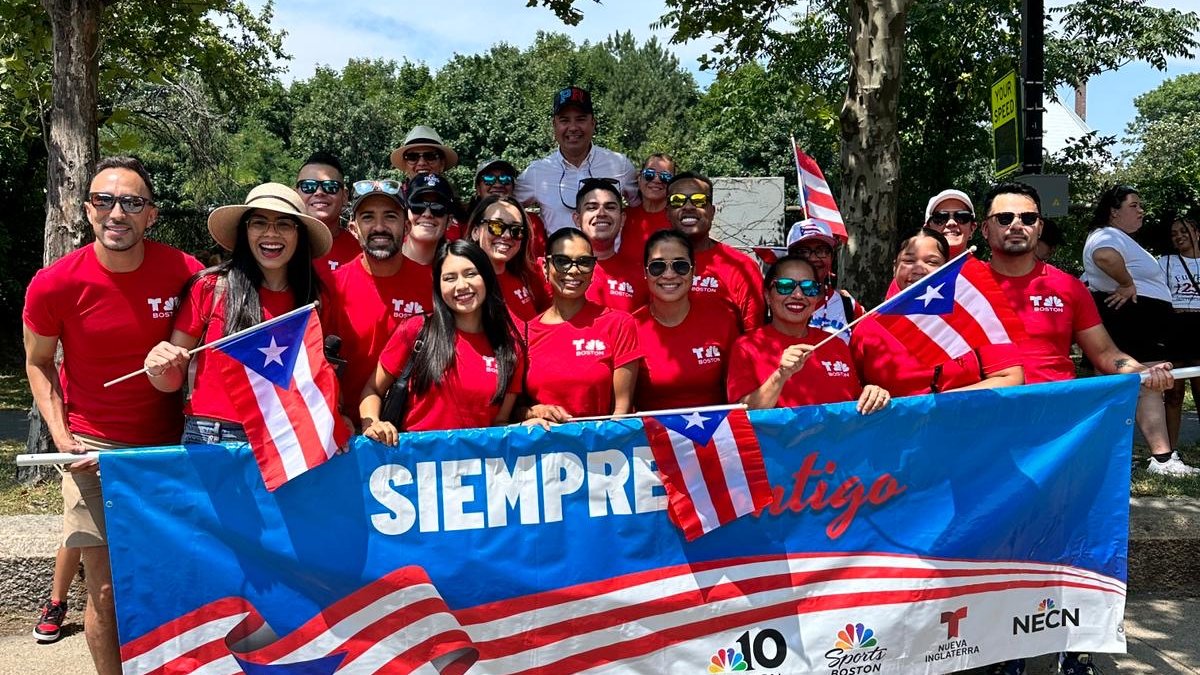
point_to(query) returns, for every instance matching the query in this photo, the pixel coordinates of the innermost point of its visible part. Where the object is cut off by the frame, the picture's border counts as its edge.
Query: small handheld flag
(815, 195)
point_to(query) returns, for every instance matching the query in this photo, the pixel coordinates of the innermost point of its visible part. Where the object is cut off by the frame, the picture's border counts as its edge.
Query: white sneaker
(1172, 467)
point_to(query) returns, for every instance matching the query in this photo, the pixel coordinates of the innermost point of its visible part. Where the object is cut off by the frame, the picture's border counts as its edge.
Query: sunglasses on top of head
(786, 286)
(492, 179)
(366, 187)
(498, 227)
(657, 268)
(309, 186)
(649, 175)
(943, 217)
(103, 201)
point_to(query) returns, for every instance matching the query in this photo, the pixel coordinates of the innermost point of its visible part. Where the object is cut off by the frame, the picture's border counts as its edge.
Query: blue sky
(434, 32)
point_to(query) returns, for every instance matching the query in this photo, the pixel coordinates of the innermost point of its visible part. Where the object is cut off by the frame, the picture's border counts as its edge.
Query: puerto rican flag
(278, 378)
(953, 311)
(711, 466)
(815, 195)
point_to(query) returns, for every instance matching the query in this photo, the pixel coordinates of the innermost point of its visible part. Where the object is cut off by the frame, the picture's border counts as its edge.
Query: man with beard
(322, 187)
(107, 304)
(373, 293)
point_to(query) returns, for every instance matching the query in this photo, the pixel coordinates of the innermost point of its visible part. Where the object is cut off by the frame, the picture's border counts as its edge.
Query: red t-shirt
(881, 359)
(733, 276)
(1054, 306)
(571, 364)
(107, 322)
(209, 396)
(827, 377)
(537, 236)
(346, 247)
(523, 302)
(463, 400)
(639, 225)
(366, 311)
(685, 364)
(620, 281)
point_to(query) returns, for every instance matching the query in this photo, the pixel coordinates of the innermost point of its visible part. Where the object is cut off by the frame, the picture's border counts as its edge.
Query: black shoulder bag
(395, 401)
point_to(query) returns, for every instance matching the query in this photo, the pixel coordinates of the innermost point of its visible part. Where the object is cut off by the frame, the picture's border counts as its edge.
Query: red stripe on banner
(213, 611)
(195, 659)
(436, 646)
(752, 459)
(679, 502)
(664, 638)
(708, 457)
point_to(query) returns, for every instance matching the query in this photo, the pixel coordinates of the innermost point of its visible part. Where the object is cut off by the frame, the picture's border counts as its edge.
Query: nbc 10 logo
(752, 651)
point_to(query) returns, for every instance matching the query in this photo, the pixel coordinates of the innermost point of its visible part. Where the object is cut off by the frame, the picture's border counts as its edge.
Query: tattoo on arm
(1118, 364)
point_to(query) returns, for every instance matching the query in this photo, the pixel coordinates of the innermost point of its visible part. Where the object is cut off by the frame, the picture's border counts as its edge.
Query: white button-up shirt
(553, 182)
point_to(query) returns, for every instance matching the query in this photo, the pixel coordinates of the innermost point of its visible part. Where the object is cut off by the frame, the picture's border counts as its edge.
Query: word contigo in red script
(848, 497)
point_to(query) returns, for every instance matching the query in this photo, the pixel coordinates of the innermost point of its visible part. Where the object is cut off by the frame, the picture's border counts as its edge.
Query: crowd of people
(580, 287)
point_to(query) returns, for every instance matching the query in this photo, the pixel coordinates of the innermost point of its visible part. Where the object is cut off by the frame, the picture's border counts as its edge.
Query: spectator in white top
(1183, 340)
(1129, 287)
(951, 213)
(553, 181)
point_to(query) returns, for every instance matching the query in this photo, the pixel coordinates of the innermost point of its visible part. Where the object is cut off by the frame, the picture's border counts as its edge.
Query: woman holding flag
(882, 358)
(462, 364)
(771, 367)
(269, 273)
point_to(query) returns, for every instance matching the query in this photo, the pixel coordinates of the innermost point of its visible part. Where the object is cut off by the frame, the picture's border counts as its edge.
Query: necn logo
(856, 651)
(765, 649)
(1047, 616)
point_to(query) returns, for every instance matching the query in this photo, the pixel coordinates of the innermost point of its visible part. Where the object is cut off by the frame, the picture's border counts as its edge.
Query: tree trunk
(71, 145)
(871, 143)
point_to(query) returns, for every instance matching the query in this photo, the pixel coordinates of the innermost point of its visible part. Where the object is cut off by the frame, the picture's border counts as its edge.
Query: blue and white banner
(942, 533)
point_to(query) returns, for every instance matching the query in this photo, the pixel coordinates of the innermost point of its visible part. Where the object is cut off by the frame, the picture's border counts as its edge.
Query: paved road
(1161, 631)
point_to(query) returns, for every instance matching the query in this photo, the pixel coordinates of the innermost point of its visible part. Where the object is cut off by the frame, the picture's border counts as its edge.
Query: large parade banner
(942, 533)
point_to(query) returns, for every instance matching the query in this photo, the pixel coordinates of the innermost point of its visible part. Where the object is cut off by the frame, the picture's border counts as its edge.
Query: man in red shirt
(107, 304)
(322, 186)
(373, 293)
(619, 282)
(1057, 310)
(721, 271)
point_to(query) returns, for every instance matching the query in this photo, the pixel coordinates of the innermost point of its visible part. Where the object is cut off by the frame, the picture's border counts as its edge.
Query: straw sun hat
(274, 197)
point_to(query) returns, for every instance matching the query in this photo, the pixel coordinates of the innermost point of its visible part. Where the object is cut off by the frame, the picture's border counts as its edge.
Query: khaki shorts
(83, 505)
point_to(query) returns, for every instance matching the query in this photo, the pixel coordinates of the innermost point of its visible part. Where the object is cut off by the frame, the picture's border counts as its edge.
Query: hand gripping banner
(945, 532)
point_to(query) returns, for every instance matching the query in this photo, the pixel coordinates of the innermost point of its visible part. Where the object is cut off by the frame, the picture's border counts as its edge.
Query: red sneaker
(50, 625)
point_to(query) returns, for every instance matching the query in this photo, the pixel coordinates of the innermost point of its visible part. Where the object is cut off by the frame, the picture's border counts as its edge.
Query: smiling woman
(270, 272)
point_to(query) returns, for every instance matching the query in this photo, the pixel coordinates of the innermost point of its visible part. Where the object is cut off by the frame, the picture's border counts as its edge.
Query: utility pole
(1033, 70)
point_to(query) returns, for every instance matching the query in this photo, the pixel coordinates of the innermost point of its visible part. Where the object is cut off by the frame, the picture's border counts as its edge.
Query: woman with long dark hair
(1183, 342)
(500, 227)
(583, 358)
(465, 357)
(272, 244)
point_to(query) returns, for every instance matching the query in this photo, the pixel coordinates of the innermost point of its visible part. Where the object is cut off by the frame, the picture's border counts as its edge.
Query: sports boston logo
(856, 650)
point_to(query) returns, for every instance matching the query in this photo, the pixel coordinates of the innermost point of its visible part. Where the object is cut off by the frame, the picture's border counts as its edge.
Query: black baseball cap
(576, 96)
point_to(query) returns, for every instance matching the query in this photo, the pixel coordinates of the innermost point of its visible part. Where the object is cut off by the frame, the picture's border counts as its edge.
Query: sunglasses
(786, 286)
(698, 200)
(104, 201)
(1005, 218)
(366, 187)
(650, 174)
(492, 179)
(428, 155)
(309, 186)
(499, 227)
(436, 208)
(657, 268)
(943, 217)
(564, 263)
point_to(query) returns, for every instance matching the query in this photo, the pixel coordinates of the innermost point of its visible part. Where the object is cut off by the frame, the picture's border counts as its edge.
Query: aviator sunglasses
(649, 175)
(309, 186)
(677, 200)
(104, 201)
(657, 268)
(786, 286)
(498, 227)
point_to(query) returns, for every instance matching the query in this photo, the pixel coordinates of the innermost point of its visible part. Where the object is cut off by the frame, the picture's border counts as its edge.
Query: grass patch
(17, 499)
(1145, 484)
(14, 389)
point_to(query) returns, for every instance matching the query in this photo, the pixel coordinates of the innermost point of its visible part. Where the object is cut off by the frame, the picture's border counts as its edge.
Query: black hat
(429, 182)
(575, 96)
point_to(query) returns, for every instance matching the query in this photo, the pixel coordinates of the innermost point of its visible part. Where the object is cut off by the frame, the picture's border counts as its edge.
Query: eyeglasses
(414, 156)
(786, 286)
(309, 186)
(282, 225)
(1005, 218)
(650, 174)
(492, 179)
(943, 217)
(564, 263)
(814, 252)
(677, 200)
(436, 208)
(366, 187)
(498, 227)
(104, 201)
(657, 268)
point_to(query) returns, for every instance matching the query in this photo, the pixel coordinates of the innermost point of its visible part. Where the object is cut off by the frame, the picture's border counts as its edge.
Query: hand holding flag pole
(221, 341)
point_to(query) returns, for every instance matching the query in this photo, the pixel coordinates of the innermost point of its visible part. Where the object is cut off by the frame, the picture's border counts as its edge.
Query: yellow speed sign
(1006, 130)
